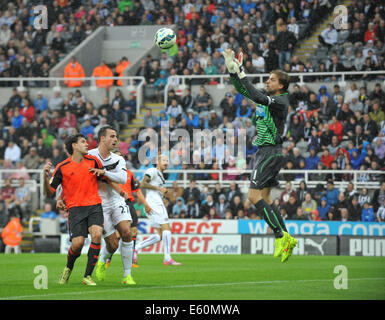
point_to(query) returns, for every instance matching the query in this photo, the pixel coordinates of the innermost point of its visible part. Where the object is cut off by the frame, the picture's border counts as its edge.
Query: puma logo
(314, 244)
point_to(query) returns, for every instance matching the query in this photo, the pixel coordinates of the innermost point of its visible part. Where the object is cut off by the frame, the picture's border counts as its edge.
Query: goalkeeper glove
(234, 65)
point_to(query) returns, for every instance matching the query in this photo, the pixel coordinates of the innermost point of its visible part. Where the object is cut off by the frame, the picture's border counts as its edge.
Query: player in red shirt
(78, 176)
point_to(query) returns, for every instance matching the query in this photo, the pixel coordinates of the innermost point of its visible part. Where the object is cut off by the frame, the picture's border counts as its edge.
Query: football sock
(279, 216)
(149, 241)
(166, 235)
(93, 253)
(270, 217)
(126, 253)
(71, 258)
(105, 255)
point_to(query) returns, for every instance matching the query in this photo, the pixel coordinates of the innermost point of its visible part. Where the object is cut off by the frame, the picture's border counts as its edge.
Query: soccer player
(76, 175)
(127, 191)
(269, 119)
(153, 181)
(116, 213)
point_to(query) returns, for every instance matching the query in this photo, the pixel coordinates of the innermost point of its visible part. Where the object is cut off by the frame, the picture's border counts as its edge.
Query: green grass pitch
(202, 277)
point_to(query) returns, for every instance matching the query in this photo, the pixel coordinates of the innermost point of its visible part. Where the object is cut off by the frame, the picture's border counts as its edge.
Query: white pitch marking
(178, 286)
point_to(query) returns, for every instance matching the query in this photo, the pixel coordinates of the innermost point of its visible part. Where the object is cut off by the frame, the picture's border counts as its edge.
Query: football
(165, 38)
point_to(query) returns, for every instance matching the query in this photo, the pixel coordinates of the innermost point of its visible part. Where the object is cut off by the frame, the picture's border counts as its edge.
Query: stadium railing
(179, 82)
(131, 84)
(36, 179)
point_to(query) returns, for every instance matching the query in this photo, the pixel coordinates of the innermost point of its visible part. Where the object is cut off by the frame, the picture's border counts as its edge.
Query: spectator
(193, 210)
(41, 103)
(150, 120)
(48, 212)
(23, 199)
(364, 196)
(73, 70)
(12, 234)
(381, 213)
(291, 207)
(328, 37)
(286, 41)
(308, 206)
(122, 65)
(327, 159)
(203, 100)
(178, 206)
(331, 193)
(367, 213)
(56, 102)
(12, 152)
(355, 209)
(323, 208)
(287, 193)
(7, 194)
(221, 206)
(103, 71)
(300, 215)
(192, 191)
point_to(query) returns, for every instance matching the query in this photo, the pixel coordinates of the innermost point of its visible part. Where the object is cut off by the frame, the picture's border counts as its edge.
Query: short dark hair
(103, 131)
(72, 139)
(283, 78)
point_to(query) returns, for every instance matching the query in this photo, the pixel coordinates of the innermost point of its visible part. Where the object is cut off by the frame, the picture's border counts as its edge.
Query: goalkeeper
(269, 119)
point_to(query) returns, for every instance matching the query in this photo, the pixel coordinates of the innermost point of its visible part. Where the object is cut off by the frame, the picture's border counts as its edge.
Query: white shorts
(113, 214)
(158, 215)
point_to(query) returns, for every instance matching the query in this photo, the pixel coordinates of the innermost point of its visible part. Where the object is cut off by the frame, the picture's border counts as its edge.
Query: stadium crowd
(339, 130)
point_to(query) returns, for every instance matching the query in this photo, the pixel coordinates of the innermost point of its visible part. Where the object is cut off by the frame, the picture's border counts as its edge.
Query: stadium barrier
(222, 82)
(37, 175)
(134, 85)
(230, 237)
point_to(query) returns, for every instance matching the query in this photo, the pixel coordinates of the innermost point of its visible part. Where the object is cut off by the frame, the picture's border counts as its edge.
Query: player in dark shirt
(78, 177)
(269, 119)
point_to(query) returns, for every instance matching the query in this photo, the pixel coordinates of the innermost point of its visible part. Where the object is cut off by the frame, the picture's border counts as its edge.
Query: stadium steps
(310, 45)
(27, 242)
(138, 121)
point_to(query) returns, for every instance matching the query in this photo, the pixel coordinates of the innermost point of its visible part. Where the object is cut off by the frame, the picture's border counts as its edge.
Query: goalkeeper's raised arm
(277, 84)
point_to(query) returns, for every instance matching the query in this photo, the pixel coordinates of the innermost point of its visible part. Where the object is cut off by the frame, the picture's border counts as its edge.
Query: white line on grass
(174, 287)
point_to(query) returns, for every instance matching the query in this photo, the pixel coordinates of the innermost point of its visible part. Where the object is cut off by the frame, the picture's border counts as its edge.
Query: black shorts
(81, 218)
(134, 222)
(268, 163)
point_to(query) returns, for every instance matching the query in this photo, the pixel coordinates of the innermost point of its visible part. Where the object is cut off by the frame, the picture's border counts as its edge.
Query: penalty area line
(131, 288)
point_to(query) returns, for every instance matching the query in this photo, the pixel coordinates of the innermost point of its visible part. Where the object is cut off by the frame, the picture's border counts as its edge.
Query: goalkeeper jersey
(270, 114)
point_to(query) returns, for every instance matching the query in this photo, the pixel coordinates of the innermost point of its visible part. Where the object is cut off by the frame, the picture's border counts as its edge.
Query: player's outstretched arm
(239, 79)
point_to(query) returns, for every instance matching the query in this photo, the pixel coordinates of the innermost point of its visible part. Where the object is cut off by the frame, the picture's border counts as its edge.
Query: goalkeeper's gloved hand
(228, 54)
(234, 65)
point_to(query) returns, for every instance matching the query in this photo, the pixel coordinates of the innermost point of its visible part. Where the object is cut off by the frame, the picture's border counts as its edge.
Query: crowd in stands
(339, 130)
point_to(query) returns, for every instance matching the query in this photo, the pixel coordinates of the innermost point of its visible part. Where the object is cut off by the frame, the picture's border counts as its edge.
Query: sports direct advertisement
(189, 226)
(199, 244)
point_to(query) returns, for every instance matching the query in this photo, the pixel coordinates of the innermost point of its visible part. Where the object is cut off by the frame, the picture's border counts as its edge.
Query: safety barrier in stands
(179, 82)
(133, 84)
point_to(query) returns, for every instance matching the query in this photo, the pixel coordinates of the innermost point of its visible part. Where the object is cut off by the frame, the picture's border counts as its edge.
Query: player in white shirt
(153, 181)
(115, 211)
